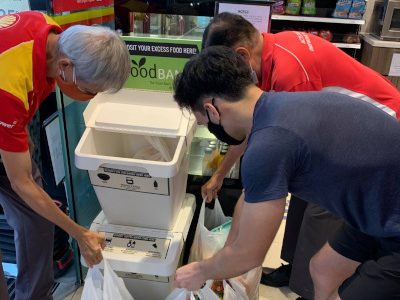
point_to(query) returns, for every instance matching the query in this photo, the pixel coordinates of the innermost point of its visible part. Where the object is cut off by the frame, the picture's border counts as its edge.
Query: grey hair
(98, 54)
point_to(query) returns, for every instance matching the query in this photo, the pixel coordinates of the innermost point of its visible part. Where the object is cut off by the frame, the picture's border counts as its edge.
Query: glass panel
(168, 24)
(82, 201)
(207, 153)
(395, 22)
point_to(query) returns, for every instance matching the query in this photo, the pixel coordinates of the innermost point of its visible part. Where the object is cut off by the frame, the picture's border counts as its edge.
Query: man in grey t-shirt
(336, 151)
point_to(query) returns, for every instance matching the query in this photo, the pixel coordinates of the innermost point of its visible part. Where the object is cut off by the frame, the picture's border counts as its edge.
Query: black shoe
(301, 298)
(277, 278)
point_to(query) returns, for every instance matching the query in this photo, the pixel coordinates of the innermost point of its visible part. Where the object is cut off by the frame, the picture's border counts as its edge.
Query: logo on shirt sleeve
(6, 125)
(8, 20)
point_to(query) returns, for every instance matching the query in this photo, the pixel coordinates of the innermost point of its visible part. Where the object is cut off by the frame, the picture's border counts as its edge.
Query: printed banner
(60, 6)
(13, 6)
(156, 61)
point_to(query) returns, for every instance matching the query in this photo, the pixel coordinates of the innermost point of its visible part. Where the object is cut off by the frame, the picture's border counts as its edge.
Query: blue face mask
(219, 131)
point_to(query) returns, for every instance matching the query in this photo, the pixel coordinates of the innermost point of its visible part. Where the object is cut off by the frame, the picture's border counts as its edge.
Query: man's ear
(63, 63)
(244, 52)
(212, 112)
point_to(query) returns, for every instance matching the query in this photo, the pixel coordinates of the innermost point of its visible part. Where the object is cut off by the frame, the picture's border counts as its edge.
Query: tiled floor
(272, 260)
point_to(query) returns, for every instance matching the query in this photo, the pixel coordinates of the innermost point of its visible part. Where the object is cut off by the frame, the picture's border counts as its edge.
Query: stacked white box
(132, 191)
(146, 258)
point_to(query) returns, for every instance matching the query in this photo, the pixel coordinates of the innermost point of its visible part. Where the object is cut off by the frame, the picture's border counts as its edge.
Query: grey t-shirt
(330, 149)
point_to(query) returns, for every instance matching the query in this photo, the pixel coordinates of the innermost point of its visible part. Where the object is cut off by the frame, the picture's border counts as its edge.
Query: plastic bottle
(208, 154)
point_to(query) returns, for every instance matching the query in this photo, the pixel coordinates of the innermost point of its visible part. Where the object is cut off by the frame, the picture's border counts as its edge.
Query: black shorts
(378, 276)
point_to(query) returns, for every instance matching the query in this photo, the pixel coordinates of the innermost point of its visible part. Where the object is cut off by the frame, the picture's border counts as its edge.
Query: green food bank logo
(139, 69)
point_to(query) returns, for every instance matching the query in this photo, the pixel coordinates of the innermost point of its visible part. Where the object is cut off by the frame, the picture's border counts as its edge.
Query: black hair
(217, 71)
(227, 29)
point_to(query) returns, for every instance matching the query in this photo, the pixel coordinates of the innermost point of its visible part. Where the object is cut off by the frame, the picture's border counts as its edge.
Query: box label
(137, 245)
(140, 182)
(137, 276)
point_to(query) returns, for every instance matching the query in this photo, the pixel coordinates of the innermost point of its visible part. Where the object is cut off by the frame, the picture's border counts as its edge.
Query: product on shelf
(357, 9)
(351, 38)
(325, 34)
(278, 8)
(208, 156)
(308, 8)
(293, 7)
(313, 31)
(342, 9)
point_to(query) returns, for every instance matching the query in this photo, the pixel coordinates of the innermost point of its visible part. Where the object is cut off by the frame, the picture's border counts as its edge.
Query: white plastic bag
(93, 288)
(159, 144)
(250, 281)
(206, 293)
(203, 294)
(156, 150)
(179, 294)
(207, 243)
(148, 153)
(107, 287)
(183, 294)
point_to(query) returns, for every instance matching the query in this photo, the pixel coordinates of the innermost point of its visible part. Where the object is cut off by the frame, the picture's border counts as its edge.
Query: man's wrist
(77, 232)
(219, 174)
(202, 270)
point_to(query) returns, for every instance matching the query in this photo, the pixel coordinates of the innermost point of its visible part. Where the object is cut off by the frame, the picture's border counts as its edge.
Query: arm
(259, 223)
(235, 221)
(19, 171)
(211, 188)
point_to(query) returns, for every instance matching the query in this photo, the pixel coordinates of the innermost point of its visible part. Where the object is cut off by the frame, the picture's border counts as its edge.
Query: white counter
(373, 41)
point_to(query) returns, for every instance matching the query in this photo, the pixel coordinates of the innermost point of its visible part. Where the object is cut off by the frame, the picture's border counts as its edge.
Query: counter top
(373, 41)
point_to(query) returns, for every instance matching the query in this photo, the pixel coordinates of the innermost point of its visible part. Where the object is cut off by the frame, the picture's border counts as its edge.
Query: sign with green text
(156, 61)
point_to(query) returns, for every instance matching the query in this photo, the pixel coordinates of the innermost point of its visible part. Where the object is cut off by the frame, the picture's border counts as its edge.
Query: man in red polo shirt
(296, 61)
(34, 54)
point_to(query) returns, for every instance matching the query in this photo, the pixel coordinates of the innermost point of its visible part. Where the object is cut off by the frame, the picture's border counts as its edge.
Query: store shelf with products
(207, 153)
(317, 19)
(343, 33)
(338, 21)
(348, 46)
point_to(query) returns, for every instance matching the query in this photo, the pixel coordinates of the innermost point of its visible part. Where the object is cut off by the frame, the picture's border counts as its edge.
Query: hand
(91, 243)
(210, 189)
(190, 277)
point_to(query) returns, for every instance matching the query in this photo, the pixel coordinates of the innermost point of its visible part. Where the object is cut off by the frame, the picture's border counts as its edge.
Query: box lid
(143, 250)
(136, 111)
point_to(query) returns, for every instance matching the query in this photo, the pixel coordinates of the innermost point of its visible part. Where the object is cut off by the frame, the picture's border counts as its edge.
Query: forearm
(230, 158)
(257, 226)
(37, 199)
(230, 262)
(235, 221)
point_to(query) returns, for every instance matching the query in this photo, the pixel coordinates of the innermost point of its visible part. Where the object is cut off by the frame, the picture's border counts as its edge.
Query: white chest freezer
(146, 258)
(131, 191)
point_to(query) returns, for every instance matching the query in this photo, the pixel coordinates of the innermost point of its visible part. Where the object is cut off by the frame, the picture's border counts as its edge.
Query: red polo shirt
(23, 81)
(297, 61)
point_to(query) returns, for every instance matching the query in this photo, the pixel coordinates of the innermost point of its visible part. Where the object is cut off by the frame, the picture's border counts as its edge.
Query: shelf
(203, 133)
(316, 19)
(347, 46)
